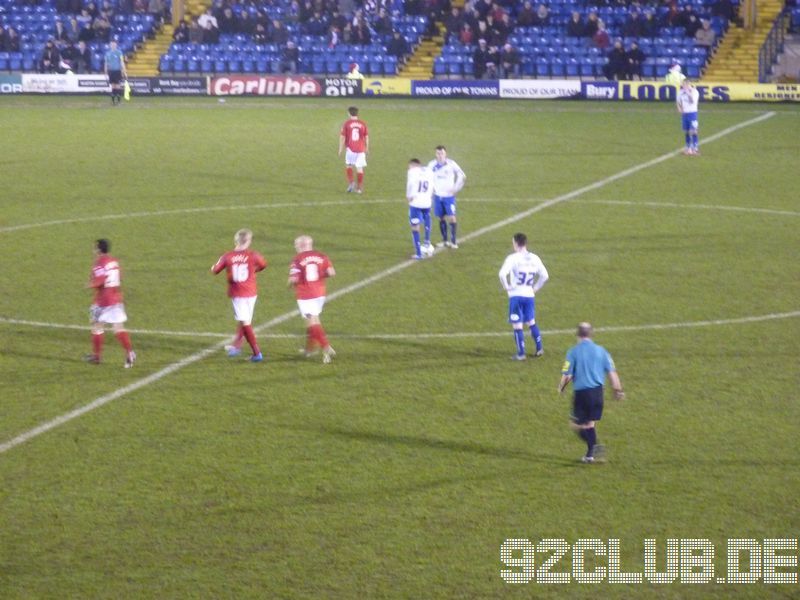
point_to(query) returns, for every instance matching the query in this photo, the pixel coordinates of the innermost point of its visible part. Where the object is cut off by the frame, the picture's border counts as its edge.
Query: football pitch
(401, 469)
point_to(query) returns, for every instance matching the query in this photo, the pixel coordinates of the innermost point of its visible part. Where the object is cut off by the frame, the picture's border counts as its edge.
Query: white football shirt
(688, 100)
(419, 187)
(523, 274)
(448, 178)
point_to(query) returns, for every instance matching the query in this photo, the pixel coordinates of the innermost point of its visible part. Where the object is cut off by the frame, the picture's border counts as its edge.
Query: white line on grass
(744, 209)
(189, 360)
(456, 334)
(205, 209)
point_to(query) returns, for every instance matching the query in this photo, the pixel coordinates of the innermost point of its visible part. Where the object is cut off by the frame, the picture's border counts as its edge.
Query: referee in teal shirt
(586, 367)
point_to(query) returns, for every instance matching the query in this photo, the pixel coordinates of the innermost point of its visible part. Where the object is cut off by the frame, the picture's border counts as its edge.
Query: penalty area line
(197, 356)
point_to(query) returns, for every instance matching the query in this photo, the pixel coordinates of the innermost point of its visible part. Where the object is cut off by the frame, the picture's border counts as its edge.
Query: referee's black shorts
(587, 405)
(114, 77)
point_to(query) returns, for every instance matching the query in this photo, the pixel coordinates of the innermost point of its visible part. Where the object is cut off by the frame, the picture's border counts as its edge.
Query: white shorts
(108, 314)
(243, 308)
(357, 159)
(312, 306)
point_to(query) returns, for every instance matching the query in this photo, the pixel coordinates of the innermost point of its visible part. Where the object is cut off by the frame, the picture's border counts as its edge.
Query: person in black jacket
(636, 59)
(480, 57)
(48, 63)
(617, 66)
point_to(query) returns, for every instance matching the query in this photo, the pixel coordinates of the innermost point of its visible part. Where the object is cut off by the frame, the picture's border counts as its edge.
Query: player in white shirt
(522, 275)
(419, 191)
(448, 179)
(687, 101)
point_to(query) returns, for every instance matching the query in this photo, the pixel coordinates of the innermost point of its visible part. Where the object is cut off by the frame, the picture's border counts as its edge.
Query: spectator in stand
(383, 23)
(601, 39)
(617, 66)
(228, 23)
(686, 15)
(84, 19)
(673, 16)
(361, 33)
(60, 32)
(154, 7)
(102, 28)
(315, 25)
(705, 36)
(526, 16)
(260, 35)
(542, 16)
(576, 27)
(635, 58)
(466, 35)
(337, 19)
(48, 63)
(726, 10)
(693, 26)
(294, 13)
(13, 41)
(592, 25)
(290, 58)
(483, 7)
(83, 58)
(633, 25)
(73, 30)
(2, 38)
(181, 33)
(397, 46)
(480, 57)
(207, 17)
(509, 62)
(278, 34)
(247, 24)
(649, 25)
(453, 24)
(109, 10)
(210, 33)
(196, 33)
(68, 58)
(91, 8)
(505, 27)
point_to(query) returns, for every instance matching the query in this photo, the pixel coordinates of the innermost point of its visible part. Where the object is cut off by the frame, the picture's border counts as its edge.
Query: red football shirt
(106, 278)
(309, 270)
(242, 266)
(355, 135)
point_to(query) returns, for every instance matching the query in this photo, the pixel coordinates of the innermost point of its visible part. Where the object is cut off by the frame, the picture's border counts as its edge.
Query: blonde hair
(243, 237)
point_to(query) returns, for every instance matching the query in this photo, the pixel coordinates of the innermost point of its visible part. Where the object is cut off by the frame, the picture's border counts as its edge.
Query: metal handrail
(773, 45)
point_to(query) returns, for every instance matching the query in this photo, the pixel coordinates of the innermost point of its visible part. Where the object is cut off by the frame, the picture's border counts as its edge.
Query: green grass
(398, 470)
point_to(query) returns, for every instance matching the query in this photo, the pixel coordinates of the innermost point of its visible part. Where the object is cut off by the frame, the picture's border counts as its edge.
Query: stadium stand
(36, 24)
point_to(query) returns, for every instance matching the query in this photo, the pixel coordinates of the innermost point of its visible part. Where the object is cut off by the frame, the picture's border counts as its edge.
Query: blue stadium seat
(165, 64)
(220, 66)
(248, 65)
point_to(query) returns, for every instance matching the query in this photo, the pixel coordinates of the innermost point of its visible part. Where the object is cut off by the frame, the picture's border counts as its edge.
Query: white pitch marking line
(456, 334)
(103, 400)
(204, 209)
(744, 209)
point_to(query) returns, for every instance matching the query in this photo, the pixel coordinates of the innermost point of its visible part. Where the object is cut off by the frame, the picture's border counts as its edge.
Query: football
(427, 250)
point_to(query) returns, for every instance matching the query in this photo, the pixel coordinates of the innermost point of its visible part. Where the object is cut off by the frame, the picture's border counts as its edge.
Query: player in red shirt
(241, 265)
(355, 137)
(307, 275)
(107, 308)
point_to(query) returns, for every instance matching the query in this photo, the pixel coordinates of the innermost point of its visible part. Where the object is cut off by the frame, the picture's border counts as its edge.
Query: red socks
(349, 172)
(316, 336)
(97, 344)
(124, 339)
(250, 336)
(360, 179)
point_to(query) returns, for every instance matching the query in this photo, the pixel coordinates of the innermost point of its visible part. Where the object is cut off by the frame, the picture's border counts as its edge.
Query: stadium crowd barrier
(299, 85)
